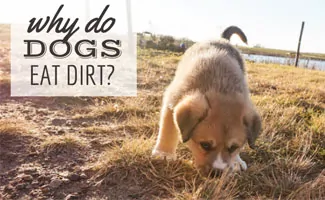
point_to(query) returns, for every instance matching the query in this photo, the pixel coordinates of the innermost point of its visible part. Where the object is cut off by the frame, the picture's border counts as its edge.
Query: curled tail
(228, 32)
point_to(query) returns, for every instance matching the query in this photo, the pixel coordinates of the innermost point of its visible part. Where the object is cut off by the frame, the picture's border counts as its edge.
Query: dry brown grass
(4, 81)
(289, 160)
(5, 47)
(288, 164)
(131, 163)
(13, 128)
(67, 143)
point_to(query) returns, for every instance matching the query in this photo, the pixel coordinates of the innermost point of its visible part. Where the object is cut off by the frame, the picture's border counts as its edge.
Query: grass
(13, 128)
(291, 102)
(132, 159)
(280, 53)
(288, 164)
(67, 143)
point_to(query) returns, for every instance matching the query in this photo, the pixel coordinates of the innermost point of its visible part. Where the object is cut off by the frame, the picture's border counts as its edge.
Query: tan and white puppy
(208, 106)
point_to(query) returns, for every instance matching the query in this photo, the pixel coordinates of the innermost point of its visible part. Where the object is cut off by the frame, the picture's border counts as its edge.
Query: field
(99, 148)
(281, 53)
(170, 43)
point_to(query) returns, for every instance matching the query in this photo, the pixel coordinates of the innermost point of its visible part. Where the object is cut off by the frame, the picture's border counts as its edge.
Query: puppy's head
(215, 127)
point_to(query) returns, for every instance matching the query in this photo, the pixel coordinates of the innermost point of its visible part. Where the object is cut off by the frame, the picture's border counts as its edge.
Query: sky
(272, 24)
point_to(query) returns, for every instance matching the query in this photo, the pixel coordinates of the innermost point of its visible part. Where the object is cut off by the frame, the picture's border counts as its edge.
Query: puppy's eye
(233, 148)
(207, 146)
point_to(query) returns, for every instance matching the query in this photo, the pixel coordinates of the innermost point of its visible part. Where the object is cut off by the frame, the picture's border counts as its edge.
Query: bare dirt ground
(99, 148)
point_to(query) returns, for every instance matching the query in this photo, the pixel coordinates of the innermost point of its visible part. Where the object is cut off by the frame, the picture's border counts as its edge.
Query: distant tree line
(163, 42)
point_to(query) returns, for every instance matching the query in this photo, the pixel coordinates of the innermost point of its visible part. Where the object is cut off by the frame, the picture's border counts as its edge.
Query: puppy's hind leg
(168, 137)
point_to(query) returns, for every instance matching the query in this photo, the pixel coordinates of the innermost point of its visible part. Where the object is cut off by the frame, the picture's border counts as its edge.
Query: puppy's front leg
(168, 138)
(242, 163)
(239, 165)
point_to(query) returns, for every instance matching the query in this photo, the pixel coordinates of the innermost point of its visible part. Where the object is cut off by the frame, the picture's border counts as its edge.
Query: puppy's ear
(253, 128)
(189, 113)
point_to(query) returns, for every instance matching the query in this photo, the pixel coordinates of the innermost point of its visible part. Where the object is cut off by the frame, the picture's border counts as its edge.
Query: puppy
(208, 106)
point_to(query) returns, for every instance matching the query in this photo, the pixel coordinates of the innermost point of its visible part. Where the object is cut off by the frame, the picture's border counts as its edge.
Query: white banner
(61, 55)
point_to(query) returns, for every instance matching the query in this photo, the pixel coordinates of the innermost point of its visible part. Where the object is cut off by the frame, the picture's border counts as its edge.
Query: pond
(304, 63)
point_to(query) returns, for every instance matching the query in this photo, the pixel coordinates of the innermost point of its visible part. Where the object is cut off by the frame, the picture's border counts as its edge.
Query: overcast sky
(272, 24)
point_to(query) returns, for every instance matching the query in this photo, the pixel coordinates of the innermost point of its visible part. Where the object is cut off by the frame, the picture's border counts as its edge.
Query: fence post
(298, 50)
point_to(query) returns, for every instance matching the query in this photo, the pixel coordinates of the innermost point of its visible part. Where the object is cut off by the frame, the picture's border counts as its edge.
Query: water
(304, 63)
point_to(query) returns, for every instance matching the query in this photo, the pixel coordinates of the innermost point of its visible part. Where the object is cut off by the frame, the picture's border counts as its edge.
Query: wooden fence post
(298, 50)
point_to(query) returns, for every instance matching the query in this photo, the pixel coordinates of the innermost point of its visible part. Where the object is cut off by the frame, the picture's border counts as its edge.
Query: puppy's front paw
(239, 165)
(163, 155)
(243, 165)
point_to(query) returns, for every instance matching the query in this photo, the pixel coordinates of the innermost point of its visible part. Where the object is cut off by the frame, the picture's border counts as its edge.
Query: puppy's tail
(228, 32)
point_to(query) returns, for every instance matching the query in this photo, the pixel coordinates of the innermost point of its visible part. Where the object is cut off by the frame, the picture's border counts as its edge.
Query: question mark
(109, 76)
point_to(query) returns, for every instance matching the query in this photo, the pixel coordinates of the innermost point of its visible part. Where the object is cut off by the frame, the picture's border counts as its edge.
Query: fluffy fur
(208, 107)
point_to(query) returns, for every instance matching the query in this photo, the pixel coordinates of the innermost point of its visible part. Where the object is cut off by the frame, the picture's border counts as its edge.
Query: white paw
(243, 165)
(164, 155)
(239, 165)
